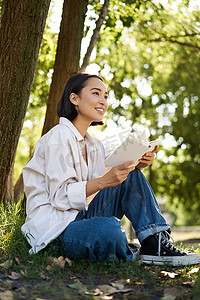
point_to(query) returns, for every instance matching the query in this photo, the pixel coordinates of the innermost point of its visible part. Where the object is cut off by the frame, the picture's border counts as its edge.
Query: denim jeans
(97, 233)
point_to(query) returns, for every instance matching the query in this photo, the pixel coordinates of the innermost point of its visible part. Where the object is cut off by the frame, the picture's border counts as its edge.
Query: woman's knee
(111, 230)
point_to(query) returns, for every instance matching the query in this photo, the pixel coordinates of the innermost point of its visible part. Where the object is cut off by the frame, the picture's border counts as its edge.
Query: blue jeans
(97, 233)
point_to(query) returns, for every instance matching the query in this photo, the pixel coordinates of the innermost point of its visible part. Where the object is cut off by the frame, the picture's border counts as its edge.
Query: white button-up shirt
(55, 181)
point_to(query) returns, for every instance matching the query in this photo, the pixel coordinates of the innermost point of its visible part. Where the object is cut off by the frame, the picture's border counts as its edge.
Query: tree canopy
(151, 64)
(148, 53)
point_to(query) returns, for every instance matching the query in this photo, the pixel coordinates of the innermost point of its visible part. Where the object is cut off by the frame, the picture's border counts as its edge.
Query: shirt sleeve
(64, 185)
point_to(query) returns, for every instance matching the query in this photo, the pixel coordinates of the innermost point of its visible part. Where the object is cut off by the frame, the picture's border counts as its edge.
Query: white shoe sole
(189, 259)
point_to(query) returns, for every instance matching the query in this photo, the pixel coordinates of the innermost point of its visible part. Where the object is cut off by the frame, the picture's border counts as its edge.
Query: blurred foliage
(148, 54)
(152, 70)
(1, 2)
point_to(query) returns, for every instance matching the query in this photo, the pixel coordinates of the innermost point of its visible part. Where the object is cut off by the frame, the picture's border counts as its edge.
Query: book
(132, 148)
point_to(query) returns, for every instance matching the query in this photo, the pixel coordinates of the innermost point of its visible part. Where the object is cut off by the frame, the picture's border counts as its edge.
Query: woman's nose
(103, 100)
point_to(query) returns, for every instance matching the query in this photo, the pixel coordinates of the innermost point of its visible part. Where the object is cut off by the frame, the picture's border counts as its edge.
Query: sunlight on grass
(12, 242)
(140, 281)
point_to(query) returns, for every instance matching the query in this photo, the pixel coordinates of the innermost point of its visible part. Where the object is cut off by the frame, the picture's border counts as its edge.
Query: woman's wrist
(100, 183)
(94, 186)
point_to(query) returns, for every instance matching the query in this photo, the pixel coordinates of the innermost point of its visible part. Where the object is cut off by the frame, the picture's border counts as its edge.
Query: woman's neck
(81, 125)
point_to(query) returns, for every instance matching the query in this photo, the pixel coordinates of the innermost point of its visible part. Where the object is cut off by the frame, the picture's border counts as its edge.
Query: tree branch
(95, 35)
(171, 40)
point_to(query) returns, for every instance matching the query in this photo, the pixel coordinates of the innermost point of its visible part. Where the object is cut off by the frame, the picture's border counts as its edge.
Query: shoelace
(165, 237)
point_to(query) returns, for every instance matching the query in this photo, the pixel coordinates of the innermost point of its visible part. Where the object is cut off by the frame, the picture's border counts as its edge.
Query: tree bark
(22, 26)
(9, 193)
(67, 55)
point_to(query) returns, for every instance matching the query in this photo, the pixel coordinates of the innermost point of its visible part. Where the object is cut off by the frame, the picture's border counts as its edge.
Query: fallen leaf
(118, 284)
(107, 289)
(30, 261)
(60, 264)
(60, 258)
(49, 268)
(96, 292)
(17, 260)
(124, 291)
(189, 283)
(24, 273)
(7, 264)
(79, 286)
(194, 270)
(7, 295)
(55, 262)
(110, 290)
(70, 263)
(169, 274)
(107, 297)
(43, 276)
(14, 276)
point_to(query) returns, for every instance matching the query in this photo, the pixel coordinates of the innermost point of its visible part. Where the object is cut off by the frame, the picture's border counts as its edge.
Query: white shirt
(55, 181)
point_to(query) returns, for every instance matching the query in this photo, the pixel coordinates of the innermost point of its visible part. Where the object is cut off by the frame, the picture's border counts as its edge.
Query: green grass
(35, 281)
(12, 242)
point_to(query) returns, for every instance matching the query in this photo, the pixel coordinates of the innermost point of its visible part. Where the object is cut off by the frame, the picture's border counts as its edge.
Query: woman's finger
(156, 148)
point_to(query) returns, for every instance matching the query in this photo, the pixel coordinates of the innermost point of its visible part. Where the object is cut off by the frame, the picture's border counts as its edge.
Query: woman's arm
(113, 177)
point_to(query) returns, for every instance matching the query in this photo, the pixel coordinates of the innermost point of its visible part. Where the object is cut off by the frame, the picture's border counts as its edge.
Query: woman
(68, 166)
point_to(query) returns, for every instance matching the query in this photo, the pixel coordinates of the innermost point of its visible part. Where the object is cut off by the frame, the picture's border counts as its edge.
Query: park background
(148, 53)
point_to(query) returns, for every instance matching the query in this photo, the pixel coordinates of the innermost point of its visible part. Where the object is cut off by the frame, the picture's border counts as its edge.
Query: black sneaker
(158, 249)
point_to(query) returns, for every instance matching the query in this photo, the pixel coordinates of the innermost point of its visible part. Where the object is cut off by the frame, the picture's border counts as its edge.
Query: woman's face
(92, 100)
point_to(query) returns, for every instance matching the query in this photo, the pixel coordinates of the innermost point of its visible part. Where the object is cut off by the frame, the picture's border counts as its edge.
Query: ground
(44, 277)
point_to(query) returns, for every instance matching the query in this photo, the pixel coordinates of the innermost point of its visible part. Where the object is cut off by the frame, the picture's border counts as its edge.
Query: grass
(27, 277)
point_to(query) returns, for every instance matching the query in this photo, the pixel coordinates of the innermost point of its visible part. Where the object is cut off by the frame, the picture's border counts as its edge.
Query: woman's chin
(98, 120)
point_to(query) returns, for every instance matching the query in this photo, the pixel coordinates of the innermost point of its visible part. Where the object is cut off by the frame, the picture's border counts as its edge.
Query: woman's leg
(133, 198)
(97, 234)
(96, 238)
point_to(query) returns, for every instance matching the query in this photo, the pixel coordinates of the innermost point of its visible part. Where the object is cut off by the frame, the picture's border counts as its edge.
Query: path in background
(187, 235)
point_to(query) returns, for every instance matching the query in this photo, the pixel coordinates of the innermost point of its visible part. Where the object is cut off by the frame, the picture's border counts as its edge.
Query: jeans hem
(150, 230)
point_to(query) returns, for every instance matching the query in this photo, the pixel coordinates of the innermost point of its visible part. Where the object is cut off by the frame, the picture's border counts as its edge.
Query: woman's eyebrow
(98, 90)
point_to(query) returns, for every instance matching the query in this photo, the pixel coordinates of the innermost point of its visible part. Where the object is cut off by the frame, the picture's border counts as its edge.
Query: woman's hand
(147, 159)
(117, 174)
(112, 177)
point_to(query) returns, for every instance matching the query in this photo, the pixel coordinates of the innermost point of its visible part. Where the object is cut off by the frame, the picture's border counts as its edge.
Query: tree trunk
(22, 26)
(9, 193)
(66, 61)
(67, 56)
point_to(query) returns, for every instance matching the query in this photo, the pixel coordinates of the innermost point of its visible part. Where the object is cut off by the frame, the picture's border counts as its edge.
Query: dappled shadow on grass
(87, 280)
(28, 276)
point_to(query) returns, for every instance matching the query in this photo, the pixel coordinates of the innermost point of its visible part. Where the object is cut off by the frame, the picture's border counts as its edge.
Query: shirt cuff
(77, 195)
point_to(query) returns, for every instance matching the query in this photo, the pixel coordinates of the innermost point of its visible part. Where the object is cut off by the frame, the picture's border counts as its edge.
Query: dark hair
(75, 84)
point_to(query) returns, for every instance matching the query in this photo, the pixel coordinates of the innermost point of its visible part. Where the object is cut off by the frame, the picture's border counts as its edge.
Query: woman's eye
(96, 93)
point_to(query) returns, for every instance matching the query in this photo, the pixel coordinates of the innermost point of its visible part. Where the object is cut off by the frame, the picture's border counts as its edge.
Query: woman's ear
(73, 98)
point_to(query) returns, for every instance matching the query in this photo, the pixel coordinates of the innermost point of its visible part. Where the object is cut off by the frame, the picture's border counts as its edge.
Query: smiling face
(92, 101)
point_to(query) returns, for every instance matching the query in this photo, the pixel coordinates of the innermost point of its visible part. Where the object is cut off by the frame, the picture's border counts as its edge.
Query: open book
(132, 148)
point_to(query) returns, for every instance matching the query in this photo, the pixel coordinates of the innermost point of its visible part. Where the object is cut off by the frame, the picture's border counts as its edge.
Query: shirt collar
(71, 126)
